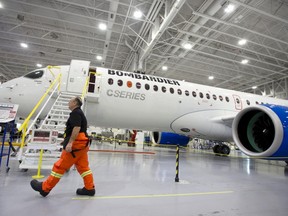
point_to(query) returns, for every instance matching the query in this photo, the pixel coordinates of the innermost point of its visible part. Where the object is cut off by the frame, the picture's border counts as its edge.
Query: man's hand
(69, 147)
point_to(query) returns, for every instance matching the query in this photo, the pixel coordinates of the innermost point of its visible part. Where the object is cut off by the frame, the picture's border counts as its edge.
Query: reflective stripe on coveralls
(67, 160)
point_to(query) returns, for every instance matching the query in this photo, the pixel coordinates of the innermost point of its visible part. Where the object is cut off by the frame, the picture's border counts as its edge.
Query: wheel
(225, 150)
(216, 149)
(7, 169)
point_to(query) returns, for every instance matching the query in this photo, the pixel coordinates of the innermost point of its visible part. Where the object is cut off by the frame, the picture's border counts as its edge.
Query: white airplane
(173, 109)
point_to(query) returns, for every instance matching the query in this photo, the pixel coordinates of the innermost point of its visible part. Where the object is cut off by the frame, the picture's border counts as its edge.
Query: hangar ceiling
(194, 39)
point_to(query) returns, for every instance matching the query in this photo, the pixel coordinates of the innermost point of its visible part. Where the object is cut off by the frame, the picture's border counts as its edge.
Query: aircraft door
(237, 102)
(77, 75)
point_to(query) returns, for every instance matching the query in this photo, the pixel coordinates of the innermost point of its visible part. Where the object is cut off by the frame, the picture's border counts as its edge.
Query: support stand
(8, 128)
(38, 176)
(177, 164)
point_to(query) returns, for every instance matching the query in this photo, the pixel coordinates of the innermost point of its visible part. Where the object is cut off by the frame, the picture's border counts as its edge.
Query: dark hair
(78, 101)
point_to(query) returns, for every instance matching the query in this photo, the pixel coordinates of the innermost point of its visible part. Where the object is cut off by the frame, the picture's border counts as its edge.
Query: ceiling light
(244, 61)
(242, 41)
(102, 26)
(99, 57)
(24, 45)
(39, 65)
(164, 68)
(254, 87)
(1, 5)
(187, 46)
(137, 14)
(211, 77)
(229, 8)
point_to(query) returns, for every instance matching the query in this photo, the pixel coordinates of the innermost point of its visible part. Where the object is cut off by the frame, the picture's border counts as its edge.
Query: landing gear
(221, 149)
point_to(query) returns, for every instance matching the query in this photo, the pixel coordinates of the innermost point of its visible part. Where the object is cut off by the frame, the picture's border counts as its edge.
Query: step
(58, 125)
(68, 96)
(55, 114)
(58, 120)
(61, 103)
(59, 106)
(54, 127)
(59, 110)
(69, 93)
(63, 99)
(66, 99)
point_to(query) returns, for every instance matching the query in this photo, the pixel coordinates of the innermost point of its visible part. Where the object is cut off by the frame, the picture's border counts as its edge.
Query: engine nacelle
(262, 131)
(168, 138)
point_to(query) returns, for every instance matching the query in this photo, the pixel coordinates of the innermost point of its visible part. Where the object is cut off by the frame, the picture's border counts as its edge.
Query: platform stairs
(81, 81)
(55, 121)
(59, 113)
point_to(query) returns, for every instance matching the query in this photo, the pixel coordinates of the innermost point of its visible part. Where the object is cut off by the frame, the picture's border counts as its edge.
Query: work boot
(84, 191)
(37, 186)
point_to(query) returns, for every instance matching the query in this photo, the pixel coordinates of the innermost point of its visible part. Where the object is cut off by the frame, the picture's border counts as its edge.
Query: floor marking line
(152, 195)
(121, 151)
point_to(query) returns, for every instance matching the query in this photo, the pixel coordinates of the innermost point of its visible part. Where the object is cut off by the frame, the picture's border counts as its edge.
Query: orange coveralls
(79, 148)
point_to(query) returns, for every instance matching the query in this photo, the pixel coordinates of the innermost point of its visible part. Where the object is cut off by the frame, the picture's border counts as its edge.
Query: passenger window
(155, 87)
(138, 85)
(110, 81)
(237, 101)
(257, 102)
(179, 91)
(35, 74)
(227, 99)
(207, 96)
(171, 90)
(221, 98)
(120, 82)
(201, 95)
(214, 97)
(194, 94)
(147, 87)
(248, 102)
(129, 84)
(187, 93)
(163, 89)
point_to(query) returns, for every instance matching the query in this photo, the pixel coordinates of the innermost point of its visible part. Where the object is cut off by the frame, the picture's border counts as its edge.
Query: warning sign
(8, 112)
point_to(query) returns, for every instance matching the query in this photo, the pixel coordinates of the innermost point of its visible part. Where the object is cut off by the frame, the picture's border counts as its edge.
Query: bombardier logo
(144, 77)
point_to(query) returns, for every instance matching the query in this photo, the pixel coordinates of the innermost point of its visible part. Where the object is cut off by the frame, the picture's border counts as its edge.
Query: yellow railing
(85, 89)
(24, 126)
(49, 67)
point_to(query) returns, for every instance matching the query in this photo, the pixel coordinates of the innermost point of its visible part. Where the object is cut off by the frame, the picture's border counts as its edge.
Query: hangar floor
(143, 184)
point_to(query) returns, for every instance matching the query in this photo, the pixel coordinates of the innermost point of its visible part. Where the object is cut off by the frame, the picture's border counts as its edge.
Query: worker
(75, 152)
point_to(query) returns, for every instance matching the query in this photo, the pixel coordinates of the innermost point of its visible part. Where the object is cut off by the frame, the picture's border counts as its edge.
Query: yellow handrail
(85, 88)
(24, 126)
(49, 67)
(25, 123)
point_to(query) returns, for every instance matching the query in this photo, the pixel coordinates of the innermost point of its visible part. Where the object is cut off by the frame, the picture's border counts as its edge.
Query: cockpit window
(35, 74)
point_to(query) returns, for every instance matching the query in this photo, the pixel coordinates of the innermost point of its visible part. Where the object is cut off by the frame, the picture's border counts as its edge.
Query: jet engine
(168, 138)
(262, 131)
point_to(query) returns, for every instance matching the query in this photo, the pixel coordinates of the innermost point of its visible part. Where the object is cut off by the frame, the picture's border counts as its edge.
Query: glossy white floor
(143, 184)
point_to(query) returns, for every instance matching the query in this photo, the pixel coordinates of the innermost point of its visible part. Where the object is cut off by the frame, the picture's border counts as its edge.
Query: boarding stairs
(55, 120)
(43, 150)
(59, 113)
